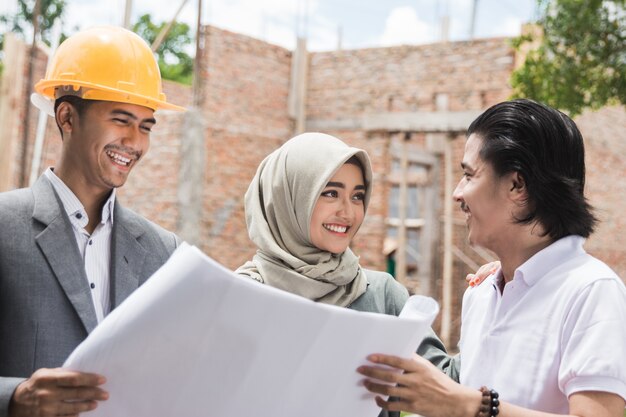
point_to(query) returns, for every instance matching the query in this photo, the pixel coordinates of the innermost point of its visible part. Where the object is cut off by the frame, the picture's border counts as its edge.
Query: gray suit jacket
(46, 308)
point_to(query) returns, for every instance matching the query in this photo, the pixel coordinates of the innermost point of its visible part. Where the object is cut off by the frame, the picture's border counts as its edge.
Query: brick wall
(605, 143)
(356, 83)
(244, 111)
(407, 78)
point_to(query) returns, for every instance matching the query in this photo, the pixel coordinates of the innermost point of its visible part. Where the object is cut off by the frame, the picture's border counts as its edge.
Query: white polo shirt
(559, 327)
(94, 248)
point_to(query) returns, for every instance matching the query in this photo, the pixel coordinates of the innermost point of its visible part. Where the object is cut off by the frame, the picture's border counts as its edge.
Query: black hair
(354, 160)
(80, 104)
(546, 148)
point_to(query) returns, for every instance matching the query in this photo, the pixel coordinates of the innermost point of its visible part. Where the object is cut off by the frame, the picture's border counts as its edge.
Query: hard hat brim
(100, 92)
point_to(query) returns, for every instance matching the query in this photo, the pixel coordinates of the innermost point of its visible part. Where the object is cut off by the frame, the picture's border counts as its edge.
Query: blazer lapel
(58, 244)
(128, 256)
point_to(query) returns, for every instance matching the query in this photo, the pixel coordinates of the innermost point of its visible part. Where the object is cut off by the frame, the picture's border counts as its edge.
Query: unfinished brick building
(408, 106)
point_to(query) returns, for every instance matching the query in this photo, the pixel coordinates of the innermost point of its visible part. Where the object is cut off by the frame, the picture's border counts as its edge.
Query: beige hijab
(279, 204)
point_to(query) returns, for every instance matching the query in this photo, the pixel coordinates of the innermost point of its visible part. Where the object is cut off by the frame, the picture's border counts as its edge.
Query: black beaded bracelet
(489, 404)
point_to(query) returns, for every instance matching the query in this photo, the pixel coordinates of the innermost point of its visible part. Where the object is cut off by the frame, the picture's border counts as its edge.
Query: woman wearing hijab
(303, 207)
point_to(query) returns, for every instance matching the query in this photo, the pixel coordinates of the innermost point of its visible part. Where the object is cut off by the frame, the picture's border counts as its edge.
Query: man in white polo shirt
(547, 333)
(69, 252)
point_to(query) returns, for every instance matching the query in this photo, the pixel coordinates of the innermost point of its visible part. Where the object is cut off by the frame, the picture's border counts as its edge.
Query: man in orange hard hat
(69, 252)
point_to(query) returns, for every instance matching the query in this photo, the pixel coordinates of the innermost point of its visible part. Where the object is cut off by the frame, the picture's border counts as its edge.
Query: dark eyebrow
(132, 116)
(341, 185)
(465, 166)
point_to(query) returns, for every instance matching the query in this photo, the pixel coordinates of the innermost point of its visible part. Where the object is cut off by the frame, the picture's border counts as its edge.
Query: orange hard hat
(105, 63)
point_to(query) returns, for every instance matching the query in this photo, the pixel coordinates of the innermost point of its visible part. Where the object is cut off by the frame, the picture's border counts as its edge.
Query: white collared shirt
(95, 249)
(559, 327)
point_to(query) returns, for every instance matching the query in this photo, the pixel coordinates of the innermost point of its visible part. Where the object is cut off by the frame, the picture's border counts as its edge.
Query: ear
(517, 187)
(66, 117)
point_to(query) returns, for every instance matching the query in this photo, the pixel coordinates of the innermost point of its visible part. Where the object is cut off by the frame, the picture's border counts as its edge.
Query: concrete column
(298, 86)
(446, 308)
(402, 240)
(191, 177)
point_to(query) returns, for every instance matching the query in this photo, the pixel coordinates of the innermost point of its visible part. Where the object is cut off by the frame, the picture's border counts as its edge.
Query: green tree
(51, 10)
(175, 64)
(20, 22)
(581, 60)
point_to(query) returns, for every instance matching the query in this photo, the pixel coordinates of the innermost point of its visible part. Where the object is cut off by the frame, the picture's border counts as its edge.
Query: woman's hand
(421, 388)
(482, 273)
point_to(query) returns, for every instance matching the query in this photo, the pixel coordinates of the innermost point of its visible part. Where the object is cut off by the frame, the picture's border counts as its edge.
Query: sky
(327, 24)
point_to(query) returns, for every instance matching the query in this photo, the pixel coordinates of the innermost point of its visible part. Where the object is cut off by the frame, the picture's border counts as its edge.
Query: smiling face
(485, 199)
(103, 143)
(339, 211)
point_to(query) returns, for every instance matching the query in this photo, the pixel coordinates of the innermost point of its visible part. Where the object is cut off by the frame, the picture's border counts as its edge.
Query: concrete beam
(314, 125)
(421, 121)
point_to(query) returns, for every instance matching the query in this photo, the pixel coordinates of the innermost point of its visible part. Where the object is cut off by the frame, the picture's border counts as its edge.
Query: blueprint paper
(198, 340)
